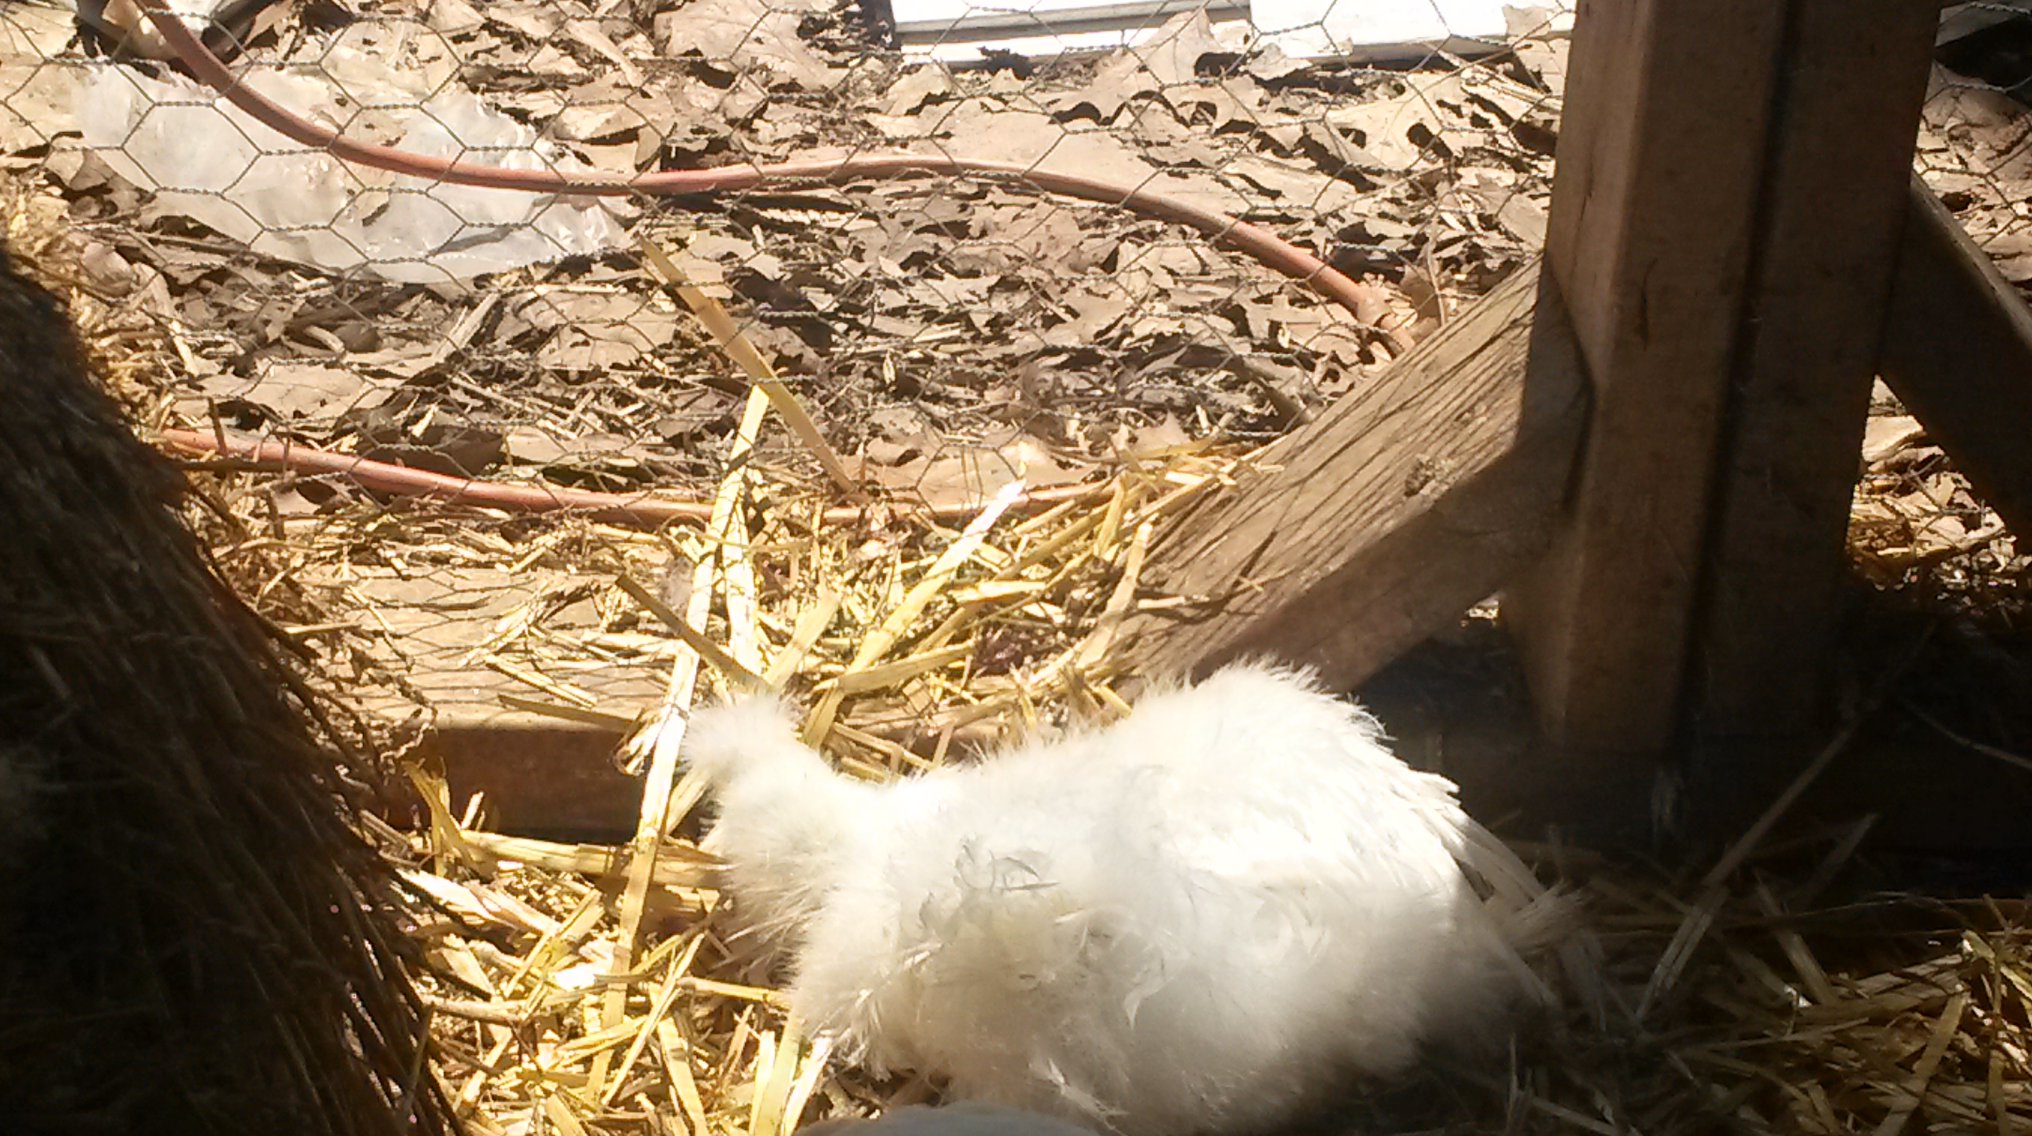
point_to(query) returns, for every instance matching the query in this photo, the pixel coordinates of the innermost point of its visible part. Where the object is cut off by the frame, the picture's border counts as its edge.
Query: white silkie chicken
(1199, 918)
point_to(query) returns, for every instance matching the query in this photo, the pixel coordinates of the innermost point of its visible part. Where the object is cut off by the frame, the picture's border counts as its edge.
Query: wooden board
(1365, 531)
(542, 775)
(1957, 350)
(1834, 208)
(1661, 157)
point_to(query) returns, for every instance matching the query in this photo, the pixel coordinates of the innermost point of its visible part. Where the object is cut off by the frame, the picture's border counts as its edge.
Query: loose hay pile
(1752, 1006)
(572, 995)
(574, 990)
(192, 938)
(578, 992)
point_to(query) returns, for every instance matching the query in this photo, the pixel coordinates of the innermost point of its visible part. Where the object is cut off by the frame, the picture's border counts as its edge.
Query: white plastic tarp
(1362, 30)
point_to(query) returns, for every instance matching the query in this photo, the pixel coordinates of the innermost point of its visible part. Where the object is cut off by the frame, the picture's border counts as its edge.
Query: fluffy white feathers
(1193, 919)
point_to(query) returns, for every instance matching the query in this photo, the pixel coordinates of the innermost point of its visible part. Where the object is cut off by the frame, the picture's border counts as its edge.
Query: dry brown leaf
(1173, 55)
(740, 34)
(932, 467)
(299, 393)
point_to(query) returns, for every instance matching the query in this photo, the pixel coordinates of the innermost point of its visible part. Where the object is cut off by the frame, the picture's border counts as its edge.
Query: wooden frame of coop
(1647, 444)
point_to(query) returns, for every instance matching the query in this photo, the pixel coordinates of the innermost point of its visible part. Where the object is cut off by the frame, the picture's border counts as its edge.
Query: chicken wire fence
(1975, 139)
(947, 333)
(931, 324)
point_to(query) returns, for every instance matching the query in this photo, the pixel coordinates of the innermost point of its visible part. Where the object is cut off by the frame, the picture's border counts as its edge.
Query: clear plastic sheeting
(209, 162)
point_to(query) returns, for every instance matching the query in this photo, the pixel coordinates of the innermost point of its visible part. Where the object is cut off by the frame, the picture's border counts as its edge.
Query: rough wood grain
(1367, 530)
(1661, 157)
(1833, 210)
(1957, 350)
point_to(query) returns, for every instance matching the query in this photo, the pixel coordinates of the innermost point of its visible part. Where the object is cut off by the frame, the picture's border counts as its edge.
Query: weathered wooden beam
(539, 777)
(1661, 161)
(1957, 351)
(1379, 523)
(542, 774)
(1833, 208)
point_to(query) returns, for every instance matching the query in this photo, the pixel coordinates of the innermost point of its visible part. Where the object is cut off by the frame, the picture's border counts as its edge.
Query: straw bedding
(601, 989)
(597, 989)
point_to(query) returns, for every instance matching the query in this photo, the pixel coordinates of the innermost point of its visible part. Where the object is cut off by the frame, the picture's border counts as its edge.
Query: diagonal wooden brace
(1957, 350)
(1379, 523)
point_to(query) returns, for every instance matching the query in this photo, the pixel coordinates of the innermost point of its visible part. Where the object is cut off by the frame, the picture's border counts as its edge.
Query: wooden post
(1728, 198)
(1834, 207)
(1366, 531)
(1661, 156)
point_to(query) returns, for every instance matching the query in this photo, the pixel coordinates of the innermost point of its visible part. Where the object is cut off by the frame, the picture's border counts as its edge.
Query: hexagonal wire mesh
(330, 301)
(948, 333)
